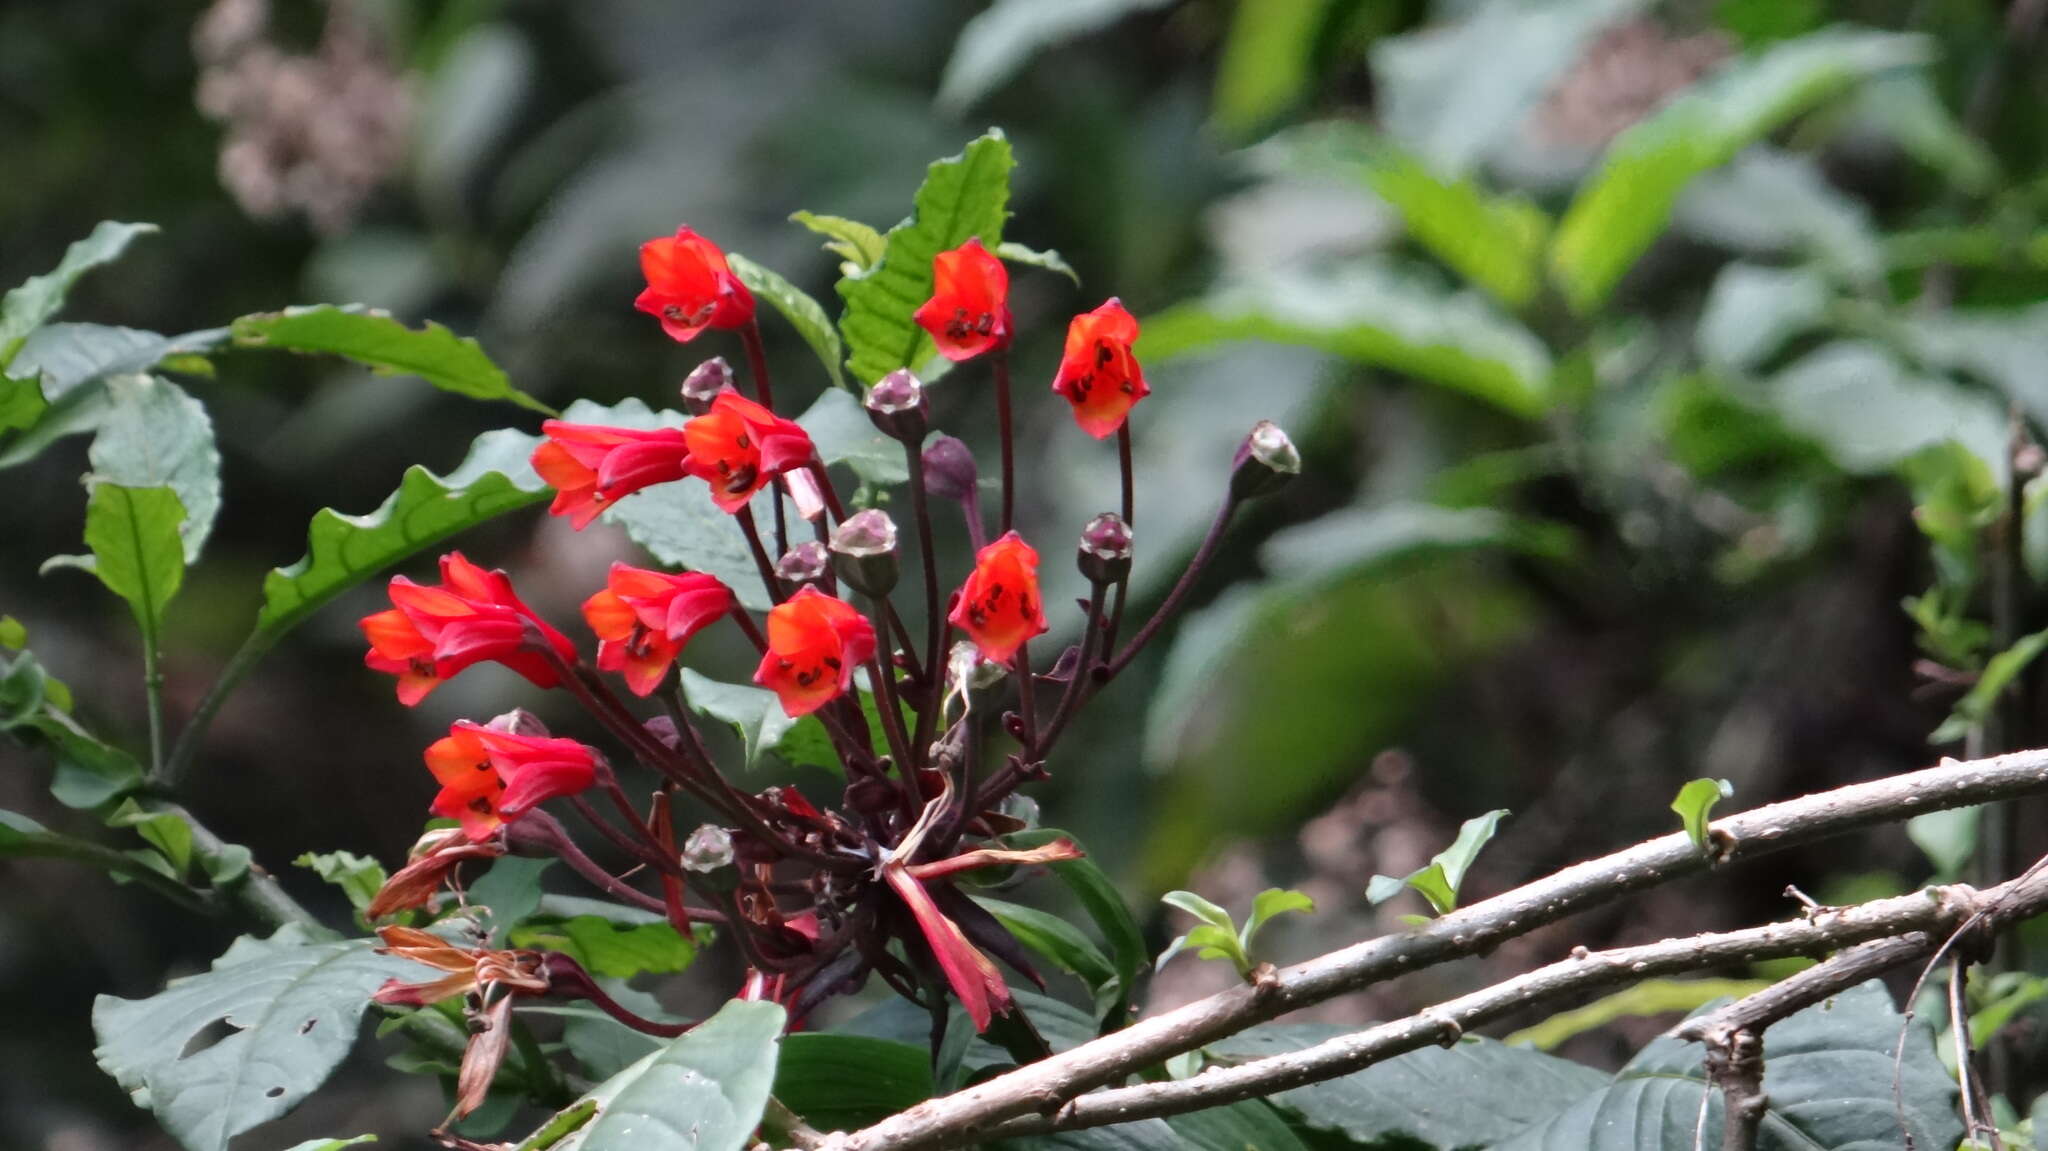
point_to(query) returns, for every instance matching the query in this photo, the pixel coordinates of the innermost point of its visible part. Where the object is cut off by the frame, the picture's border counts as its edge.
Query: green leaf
(1267, 904)
(154, 435)
(2003, 347)
(1058, 942)
(1200, 908)
(1372, 315)
(331, 1144)
(21, 402)
(1268, 63)
(1355, 539)
(1048, 259)
(1099, 897)
(755, 713)
(842, 432)
(1828, 1076)
(803, 313)
(1003, 37)
(1253, 1125)
(169, 833)
(1214, 938)
(1650, 997)
(1780, 205)
(291, 1002)
(89, 773)
(1998, 674)
(1440, 881)
(1949, 838)
(1492, 241)
(962, 197)
(13, 635)
(136, 551)
(845, 1082)
(1908, 109)
(1470, 1094)
(1695, 805)
(507, 894)
(618, 951)
(706, 1090)
(1623, 207)
(343, 550)
(359, 878)
(75, 361)
(1869, 414)
(375, 340)
(28, 307)
(858, 245)
(1752, 312)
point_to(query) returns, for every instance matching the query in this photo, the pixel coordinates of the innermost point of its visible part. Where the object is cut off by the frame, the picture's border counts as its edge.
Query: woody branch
(1052, 1089)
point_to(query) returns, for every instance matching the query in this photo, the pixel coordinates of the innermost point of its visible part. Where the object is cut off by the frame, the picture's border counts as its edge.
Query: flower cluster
(811, 896)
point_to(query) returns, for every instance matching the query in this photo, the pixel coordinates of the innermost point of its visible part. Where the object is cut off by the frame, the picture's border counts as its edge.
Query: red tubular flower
(738, 445)
(814, 643)
(969, 312)
(432, 633)
(591, 466)
(643, 618)
(690, 287)
(491, 777)
(998, 606)
(1098, 374)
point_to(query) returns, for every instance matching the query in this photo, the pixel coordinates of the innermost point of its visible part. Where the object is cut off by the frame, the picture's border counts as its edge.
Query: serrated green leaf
(706, 1090)
(1374, 316)
(28, 307)
(1650, 997)
(962, 197)
(379, 342)
(359, 877)
(1471, 1094)
(136, 549)
(154, 435)
(1493, 241)
(293, 1002)
(1048, 259)
(1623, 207)
(1695, 805)
(803, 313)
(1828, 1079)
(343, 550)
(858, 245)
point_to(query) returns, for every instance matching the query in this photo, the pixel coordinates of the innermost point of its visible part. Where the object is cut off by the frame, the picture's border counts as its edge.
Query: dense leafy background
(1606, 492)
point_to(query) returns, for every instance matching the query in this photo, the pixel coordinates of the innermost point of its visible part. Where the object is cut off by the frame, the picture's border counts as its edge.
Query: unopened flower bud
(704, 383)
(949, 469)
(519, 721)
(802, 564)
(708, 849)
(1265, 462)
(897, 406)
(864, 552)
(1105, 555)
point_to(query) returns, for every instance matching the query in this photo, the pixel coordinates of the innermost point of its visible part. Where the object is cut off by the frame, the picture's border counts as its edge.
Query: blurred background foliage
(1647, 358)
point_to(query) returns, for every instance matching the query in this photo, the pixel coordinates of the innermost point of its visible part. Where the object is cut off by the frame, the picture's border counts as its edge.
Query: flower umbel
(969, 312)
(738, 446)
(489, 777)
(998, 606)
(690, 287)
(643, 618)
(1099, 375)
(432, 633)
(814, 643)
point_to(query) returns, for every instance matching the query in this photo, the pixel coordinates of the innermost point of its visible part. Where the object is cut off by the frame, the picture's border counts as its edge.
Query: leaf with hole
(963, 197)
(382, 344)
(215, 1054)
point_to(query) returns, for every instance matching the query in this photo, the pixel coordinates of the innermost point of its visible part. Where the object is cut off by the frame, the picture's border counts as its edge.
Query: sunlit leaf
(1624, 206)
(379, 342)
(1695, 806)
(803, 313)
(962, 197)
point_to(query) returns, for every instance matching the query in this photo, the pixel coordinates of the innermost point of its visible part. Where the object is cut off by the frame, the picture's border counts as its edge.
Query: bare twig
(1735, 1064)
(1048, 1086)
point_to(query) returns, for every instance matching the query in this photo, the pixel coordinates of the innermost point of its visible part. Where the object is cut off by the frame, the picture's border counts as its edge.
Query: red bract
(972, 975)
(489, 777)
(969, 312)
(998, 606)
(591, 466)
(432, 633)
(643, 618)
(690, 287)
(1098, 373)
(738, 445)
(814, 643)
